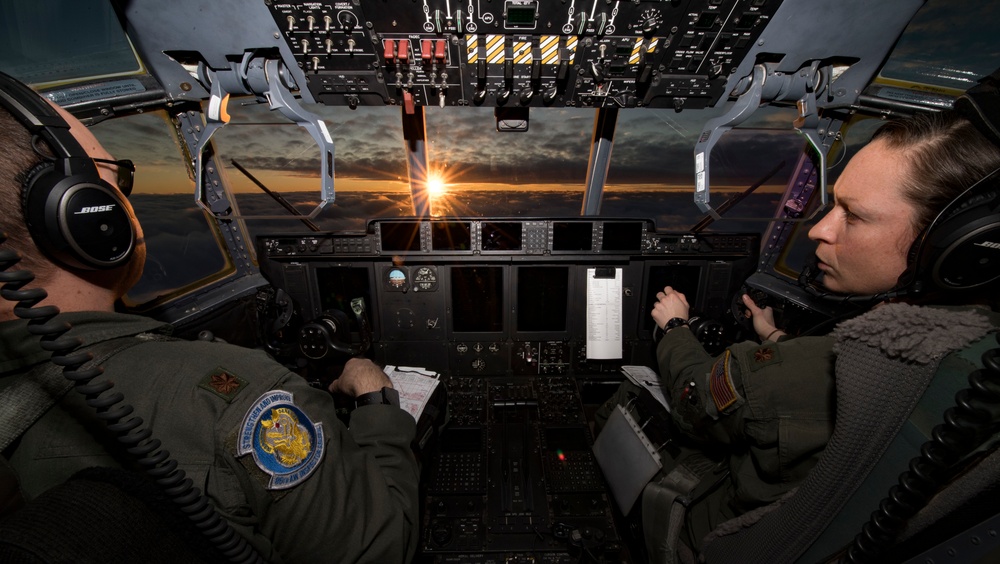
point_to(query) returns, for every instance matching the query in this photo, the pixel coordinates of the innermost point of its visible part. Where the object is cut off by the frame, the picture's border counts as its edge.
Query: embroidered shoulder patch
(223, 383)
(762, 356)
(283, 441)
(720, 383)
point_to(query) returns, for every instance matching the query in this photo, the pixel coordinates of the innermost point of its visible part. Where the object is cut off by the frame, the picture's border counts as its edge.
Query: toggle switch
(403, 50)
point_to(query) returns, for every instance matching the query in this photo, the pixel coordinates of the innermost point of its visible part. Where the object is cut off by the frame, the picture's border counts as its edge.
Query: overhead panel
(530, 53)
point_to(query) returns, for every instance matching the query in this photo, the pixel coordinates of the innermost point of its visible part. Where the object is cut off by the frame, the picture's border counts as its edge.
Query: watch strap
(385, 396)
(674, 322)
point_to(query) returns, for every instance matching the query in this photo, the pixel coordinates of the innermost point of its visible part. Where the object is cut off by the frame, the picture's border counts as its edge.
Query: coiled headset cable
(974, 418)
(112, 409)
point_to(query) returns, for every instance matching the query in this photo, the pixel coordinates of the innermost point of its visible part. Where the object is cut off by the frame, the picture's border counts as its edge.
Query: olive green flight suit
(766, 410)
(772, 406)
(353, 498)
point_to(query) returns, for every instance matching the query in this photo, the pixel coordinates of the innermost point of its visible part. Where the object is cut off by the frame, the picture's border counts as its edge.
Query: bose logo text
(988, 244)
(95, 209)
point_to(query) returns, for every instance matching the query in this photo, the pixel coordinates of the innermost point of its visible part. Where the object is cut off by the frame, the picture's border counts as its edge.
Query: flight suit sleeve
(359, 503)
(767, 396)
(703, 391)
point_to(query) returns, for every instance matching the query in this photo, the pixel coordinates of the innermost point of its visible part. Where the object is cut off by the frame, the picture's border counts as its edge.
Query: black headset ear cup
(31, 176)
(960, 250)
(913, 260)
(79, 220)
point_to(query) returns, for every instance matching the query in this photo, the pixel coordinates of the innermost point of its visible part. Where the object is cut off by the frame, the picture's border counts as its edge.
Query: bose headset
(81, 221)
(73, 215)
(960, 249)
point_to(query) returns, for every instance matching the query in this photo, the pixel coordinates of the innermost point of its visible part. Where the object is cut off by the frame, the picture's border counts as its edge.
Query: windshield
(270, 166)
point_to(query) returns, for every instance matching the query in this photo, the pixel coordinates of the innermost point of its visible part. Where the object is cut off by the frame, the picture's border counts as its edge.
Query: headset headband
(38, 117)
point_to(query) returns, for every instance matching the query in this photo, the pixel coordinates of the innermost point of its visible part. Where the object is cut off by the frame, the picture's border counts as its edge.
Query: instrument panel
(520, 53)
(512, 476)
(499, 307)
(504, 296)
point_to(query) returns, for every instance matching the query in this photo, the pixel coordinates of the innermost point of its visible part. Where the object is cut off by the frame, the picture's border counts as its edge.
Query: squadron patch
(720, 384)
(284, 442)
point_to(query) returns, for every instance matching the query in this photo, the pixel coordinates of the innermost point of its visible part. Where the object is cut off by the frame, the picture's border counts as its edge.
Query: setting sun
(436, 186)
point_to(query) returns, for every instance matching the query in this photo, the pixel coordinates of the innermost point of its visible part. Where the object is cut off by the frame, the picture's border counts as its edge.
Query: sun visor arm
(715, 128)
(264, 78)
(763, 87)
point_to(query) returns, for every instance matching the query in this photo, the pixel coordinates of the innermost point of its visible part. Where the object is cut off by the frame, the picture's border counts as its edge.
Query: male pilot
(264, 446)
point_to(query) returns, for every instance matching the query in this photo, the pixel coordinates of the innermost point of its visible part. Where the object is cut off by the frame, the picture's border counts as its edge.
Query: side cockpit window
(183, 248)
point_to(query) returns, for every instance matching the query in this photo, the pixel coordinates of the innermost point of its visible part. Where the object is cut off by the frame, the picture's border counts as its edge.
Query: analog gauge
(397, 279)
(425, 279)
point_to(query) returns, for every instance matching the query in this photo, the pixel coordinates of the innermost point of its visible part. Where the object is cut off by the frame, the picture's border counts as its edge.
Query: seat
(887, 360)
(102, 515)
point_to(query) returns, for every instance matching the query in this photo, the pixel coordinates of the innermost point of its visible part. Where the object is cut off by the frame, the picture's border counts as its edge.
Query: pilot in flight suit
(755, 406)
(257, 439)
(770, 405)
(266, 448)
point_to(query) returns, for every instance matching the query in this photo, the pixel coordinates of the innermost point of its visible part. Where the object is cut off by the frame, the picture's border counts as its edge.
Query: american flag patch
(720, 384)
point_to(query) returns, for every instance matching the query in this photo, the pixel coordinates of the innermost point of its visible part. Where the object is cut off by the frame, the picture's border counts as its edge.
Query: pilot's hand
(763, 320)
(669, 304)
(360, 376)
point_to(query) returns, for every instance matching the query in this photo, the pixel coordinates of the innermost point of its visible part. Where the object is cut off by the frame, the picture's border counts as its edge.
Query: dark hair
(18, 158)
(946, 155)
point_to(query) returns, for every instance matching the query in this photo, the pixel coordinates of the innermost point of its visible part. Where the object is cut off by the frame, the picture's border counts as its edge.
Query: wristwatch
(674, 322)
(385, 396)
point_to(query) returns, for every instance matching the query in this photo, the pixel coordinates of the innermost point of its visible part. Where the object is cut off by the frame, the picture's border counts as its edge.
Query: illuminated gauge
(397, 278)
(425, 279)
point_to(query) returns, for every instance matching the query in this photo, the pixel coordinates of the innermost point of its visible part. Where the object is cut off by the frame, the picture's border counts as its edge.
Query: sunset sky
(652, 147)
(483, 172)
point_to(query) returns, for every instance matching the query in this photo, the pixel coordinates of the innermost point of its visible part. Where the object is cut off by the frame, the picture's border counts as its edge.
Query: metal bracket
(808, 125)
(715, 128)
(216, 117)
(764, 87)
(264, 78)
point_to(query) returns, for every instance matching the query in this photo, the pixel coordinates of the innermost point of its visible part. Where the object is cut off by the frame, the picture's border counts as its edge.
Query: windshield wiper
(735, 199)
(276, 196)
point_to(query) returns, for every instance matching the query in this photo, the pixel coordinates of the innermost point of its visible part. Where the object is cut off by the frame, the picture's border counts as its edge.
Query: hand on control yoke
(763, 320)
(360, 376)
(669, 304)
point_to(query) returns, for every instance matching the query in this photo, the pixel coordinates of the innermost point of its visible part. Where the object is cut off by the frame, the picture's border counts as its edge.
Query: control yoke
(764, 86)
(265, 78)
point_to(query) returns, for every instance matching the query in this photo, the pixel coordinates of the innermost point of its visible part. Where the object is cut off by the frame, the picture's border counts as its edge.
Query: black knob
(441, 535)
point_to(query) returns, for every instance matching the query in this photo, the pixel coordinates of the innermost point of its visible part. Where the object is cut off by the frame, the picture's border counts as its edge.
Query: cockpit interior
(492, 191)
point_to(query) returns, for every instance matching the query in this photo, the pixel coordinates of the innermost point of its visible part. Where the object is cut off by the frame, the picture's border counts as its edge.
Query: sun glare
(436, 186)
